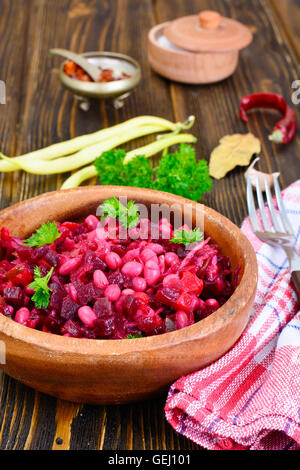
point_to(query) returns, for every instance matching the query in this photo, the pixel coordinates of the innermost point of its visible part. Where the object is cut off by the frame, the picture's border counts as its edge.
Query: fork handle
(295, 276)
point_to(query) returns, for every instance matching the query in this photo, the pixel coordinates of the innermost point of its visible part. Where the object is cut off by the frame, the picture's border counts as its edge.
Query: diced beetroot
(91, 258)
(7, 310)
(43, 263)
(119, 249)
(13, 295)
(69, 308)
(116, 277)
(86, 332)
(104, 326)
(56, 298)
(68, 244)
(131, 305)
(52, 258)
(5, 265)
(167, 296)
(82, 275)
(170, 323)
(26, 253)
(85, 293)
(71, 328)
(148, 321)
(182, 251)
(102, 307)
(41, 251)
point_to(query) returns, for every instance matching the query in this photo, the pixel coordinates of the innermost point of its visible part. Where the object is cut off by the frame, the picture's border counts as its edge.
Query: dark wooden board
(40, 112)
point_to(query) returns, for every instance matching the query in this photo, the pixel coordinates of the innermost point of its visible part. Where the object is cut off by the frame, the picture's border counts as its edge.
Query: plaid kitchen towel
(250, 397)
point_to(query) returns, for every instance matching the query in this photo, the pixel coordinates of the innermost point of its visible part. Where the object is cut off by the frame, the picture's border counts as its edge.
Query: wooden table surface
(39, 112)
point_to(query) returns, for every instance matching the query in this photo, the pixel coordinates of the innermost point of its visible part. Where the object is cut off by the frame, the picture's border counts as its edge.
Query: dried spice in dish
(105, 75)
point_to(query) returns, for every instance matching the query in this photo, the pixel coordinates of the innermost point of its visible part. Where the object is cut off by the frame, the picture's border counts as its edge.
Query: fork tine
(282, 212)
(271, 205)
(251, 207)
(261, 205)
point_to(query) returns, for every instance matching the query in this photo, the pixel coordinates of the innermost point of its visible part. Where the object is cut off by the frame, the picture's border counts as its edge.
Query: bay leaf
(233, 150)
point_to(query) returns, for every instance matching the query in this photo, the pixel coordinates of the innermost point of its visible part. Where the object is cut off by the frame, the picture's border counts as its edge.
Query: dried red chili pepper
(285, 129)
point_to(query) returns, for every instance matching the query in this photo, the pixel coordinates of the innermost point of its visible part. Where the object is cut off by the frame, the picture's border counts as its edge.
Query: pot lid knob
(209, 19)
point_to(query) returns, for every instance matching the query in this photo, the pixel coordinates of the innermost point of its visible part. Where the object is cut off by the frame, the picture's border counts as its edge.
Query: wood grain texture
(289, 16)
(39, 112)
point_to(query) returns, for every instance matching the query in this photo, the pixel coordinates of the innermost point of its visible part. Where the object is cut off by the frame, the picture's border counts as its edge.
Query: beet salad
(85, 280)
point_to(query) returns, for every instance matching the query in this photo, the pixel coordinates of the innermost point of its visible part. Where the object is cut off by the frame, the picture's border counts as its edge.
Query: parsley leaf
(41, 294)
(128, 216)
(44, 235)
(133, 336)
(178, 173)
(185, 237)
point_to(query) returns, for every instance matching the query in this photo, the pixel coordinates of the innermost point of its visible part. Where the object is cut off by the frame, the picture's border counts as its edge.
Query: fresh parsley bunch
(111, 170)
(178, 173)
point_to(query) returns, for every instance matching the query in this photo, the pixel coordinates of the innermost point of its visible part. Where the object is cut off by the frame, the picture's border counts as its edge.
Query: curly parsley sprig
(41, 289)
(44, 235)
(186, 237)
(128, 216)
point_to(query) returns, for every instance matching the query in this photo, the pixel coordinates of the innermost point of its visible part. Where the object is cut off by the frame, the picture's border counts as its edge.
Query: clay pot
(118, 371)
(197, 49)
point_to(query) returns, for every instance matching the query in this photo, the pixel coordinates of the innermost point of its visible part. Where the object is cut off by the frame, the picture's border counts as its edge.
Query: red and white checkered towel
(250, 397)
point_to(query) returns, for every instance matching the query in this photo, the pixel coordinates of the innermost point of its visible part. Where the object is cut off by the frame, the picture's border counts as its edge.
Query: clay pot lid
(208, 32)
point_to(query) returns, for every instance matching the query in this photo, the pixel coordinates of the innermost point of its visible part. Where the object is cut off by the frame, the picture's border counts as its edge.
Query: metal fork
(279, 232)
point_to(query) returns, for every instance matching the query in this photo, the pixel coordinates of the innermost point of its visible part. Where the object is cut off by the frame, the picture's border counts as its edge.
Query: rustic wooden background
(40, 112)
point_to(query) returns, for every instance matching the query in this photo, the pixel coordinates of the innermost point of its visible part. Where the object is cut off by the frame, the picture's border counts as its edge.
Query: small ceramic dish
(197, 49)
(117, 90)
(118, 371)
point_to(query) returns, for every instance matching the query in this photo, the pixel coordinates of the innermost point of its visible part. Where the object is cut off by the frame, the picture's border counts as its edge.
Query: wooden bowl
(118, 371)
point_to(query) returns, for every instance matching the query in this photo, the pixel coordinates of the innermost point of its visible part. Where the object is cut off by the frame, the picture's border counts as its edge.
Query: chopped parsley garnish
(44, 235)
(185, 237)
(41, 294)
(128, 216)
(133, 336)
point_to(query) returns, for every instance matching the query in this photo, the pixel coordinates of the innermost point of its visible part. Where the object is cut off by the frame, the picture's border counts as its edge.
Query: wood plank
(266, 65)
(13, 36)
(48, 113)
(288, 13)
